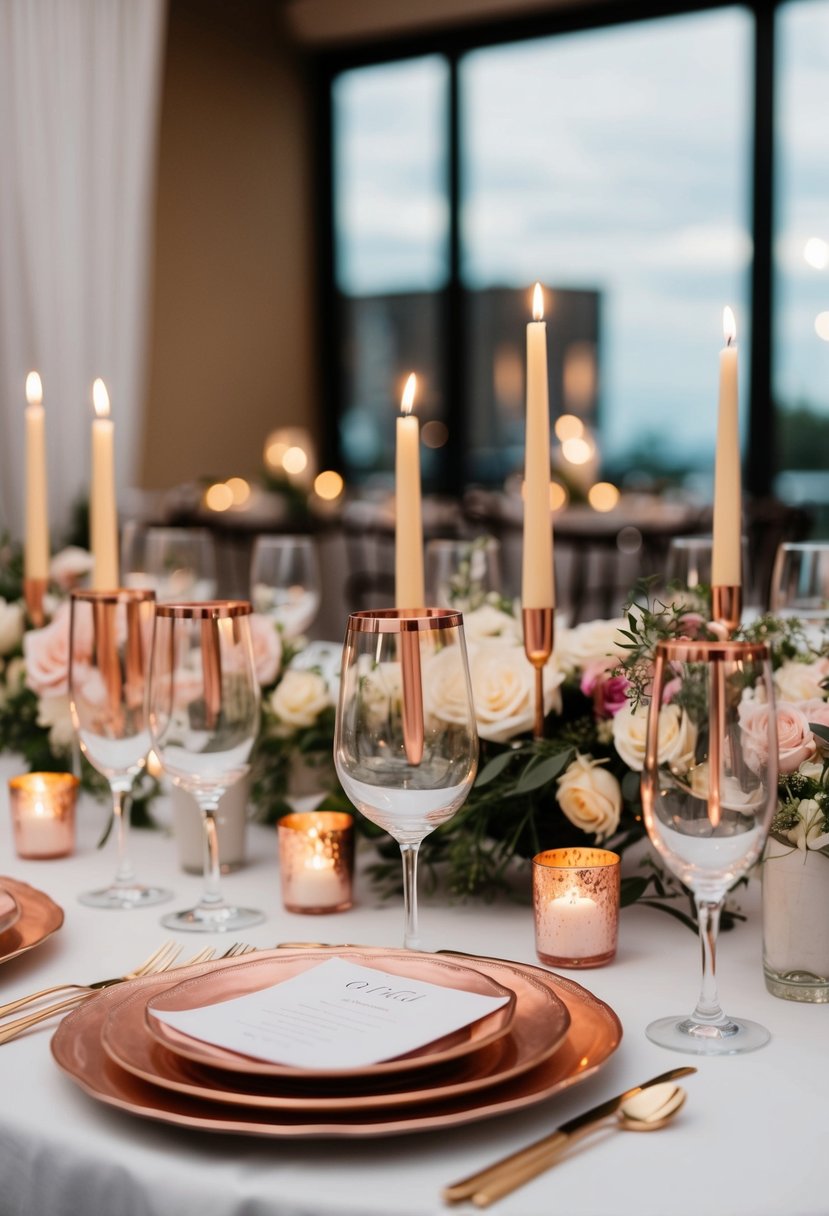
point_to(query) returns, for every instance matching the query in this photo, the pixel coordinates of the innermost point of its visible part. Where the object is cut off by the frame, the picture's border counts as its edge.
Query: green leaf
(630, 787)
(822, 732)
(632, 889)
(494, 768)
(686, 920)
(542, 773)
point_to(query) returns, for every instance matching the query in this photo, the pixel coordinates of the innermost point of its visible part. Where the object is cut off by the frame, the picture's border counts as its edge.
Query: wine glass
(800, 582)
(180, 563)
(462, 573)
(405, 742)
(709, 789)
(203, 719)
(285, 581)
(109, 642)
(688, 562)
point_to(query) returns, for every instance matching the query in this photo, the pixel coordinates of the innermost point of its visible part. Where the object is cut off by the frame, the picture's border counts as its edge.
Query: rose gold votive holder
(576, 902)
(316, 860)
(43, 814)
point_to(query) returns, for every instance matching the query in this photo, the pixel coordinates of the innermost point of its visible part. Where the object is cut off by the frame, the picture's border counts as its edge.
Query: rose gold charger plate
(537, 1030)
(593, 1035)
(225, 984)
(38, 918)
(9, 911)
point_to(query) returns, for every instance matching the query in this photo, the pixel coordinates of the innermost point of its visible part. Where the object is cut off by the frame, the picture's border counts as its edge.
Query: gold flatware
(12, 1029)
(638, 1110)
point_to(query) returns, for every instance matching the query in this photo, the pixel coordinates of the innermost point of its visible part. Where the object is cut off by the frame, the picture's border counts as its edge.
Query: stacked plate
(550, 1034)
(27, 918)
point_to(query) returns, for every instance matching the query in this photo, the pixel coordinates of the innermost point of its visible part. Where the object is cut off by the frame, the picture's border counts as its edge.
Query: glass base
(798, 986)
(128, 896)
(221, 918)
(696, 1038)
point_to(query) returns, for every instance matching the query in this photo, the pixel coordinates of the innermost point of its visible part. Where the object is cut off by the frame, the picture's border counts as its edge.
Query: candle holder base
(34, 592)
(727, 608)
(538, 646)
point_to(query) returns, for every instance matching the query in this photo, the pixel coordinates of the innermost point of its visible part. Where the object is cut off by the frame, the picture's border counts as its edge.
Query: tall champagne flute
(203, 717)
(109, 643)
(405, 743)
(709, 789)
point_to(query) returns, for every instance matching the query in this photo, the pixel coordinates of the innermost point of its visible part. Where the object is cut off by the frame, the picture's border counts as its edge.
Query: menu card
(335, 1015)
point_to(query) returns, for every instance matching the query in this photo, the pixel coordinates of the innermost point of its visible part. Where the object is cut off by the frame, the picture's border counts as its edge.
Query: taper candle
(726, 551)
(537, 583)
(408, 527)
(36, 544)
(103, 515)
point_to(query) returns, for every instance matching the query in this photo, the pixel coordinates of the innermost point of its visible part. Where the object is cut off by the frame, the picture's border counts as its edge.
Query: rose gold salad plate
(9, 910)
(264, 971)
(38, 917)
(593, 1035)
(538, 1029)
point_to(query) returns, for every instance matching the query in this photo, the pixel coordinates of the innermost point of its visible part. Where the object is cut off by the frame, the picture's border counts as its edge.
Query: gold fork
(159, 960)
(12, 1029)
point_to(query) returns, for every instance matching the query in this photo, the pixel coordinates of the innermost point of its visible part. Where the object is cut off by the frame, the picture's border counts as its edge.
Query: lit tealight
(577, 451)
(239, 489)
(603, 496)
(816, 253)
(822, 326)
(568, 426)
(219, 497)
(328, 485)
(295, 460)
(434, 434)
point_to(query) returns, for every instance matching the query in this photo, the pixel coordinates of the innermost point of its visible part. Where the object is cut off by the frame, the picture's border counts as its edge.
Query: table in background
(749, 1142)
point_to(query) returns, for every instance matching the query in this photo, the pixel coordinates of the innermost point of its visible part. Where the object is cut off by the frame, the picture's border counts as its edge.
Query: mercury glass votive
(43, 814)
(576, 902)
(316, 860)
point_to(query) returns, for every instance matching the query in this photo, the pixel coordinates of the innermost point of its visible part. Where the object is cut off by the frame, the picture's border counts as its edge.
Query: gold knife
(542, 1151)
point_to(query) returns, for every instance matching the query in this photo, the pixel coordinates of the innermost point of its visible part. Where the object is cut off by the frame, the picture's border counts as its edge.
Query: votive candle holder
(43, 814)
(576, 902)
(316, 861)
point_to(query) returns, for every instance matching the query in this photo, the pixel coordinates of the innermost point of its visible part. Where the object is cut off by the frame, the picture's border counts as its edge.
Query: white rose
(11, 626)
(590, 797)
(677, 737)
(69, 566)
(54, 712)
(808, 833)
(795, 681)
(577, 647)
(490, 622)
(300, 697)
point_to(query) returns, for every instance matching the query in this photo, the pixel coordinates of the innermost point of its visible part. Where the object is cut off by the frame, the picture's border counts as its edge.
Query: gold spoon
(647, 1111)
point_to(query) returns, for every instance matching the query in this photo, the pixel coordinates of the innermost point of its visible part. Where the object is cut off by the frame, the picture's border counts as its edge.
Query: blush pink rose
(609, 692)
(817, 711)
(46, 652)
(267, 648)
(690, 624)
(794, 739)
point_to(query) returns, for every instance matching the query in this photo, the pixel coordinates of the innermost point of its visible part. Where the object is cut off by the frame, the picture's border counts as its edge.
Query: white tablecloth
(750, 1141)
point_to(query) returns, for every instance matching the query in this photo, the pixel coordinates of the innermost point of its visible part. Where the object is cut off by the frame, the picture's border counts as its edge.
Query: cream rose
(800, 681)
(54, 712)
(300, 697)
(267, 648)
(794, 739)
(676, 743)
(11, 626)
(585, 643)
(490, 622)
(808, 831)
(590, 797)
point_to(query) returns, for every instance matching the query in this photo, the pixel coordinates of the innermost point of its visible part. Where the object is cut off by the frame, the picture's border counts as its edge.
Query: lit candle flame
(407, 400)
(100, 398)
(538, 303)
(729, 326)
(34, 389)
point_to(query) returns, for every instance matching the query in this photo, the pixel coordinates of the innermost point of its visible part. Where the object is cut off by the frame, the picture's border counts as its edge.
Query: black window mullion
(454, 330)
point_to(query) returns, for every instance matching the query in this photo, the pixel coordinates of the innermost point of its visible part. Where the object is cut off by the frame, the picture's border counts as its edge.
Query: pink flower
(670, 689)
(267, 648)
(609, 692)
(794, 739)
(46, 652)
(690, 624)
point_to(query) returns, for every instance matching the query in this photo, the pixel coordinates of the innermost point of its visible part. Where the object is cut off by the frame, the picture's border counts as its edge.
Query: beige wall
(229, 354)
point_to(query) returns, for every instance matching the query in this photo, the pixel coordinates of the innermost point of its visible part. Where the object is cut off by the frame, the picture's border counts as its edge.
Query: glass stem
(708, 1011)
(125, 874)
(411, 937)
(212, 894)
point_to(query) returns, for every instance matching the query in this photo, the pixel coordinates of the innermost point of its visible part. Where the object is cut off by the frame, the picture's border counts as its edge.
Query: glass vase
(796, 922)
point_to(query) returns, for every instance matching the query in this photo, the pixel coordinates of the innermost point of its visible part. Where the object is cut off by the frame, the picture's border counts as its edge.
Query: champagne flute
(405, 742)
(285, 581)
(109, 641)
(709, 789)
(203, 718)
(800, 582)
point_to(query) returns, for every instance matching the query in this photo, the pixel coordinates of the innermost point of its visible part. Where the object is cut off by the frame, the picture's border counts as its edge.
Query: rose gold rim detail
(589, 859)
(205, 610)
(120, 595)
(403, 620)
(703, 652)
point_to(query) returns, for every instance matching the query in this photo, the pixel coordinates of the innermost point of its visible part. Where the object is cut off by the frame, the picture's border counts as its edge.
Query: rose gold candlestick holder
(727, 608)
(34, 590)
(538, 646)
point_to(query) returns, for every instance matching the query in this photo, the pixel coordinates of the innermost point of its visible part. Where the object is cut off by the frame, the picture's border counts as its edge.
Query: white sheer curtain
(79, 91)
